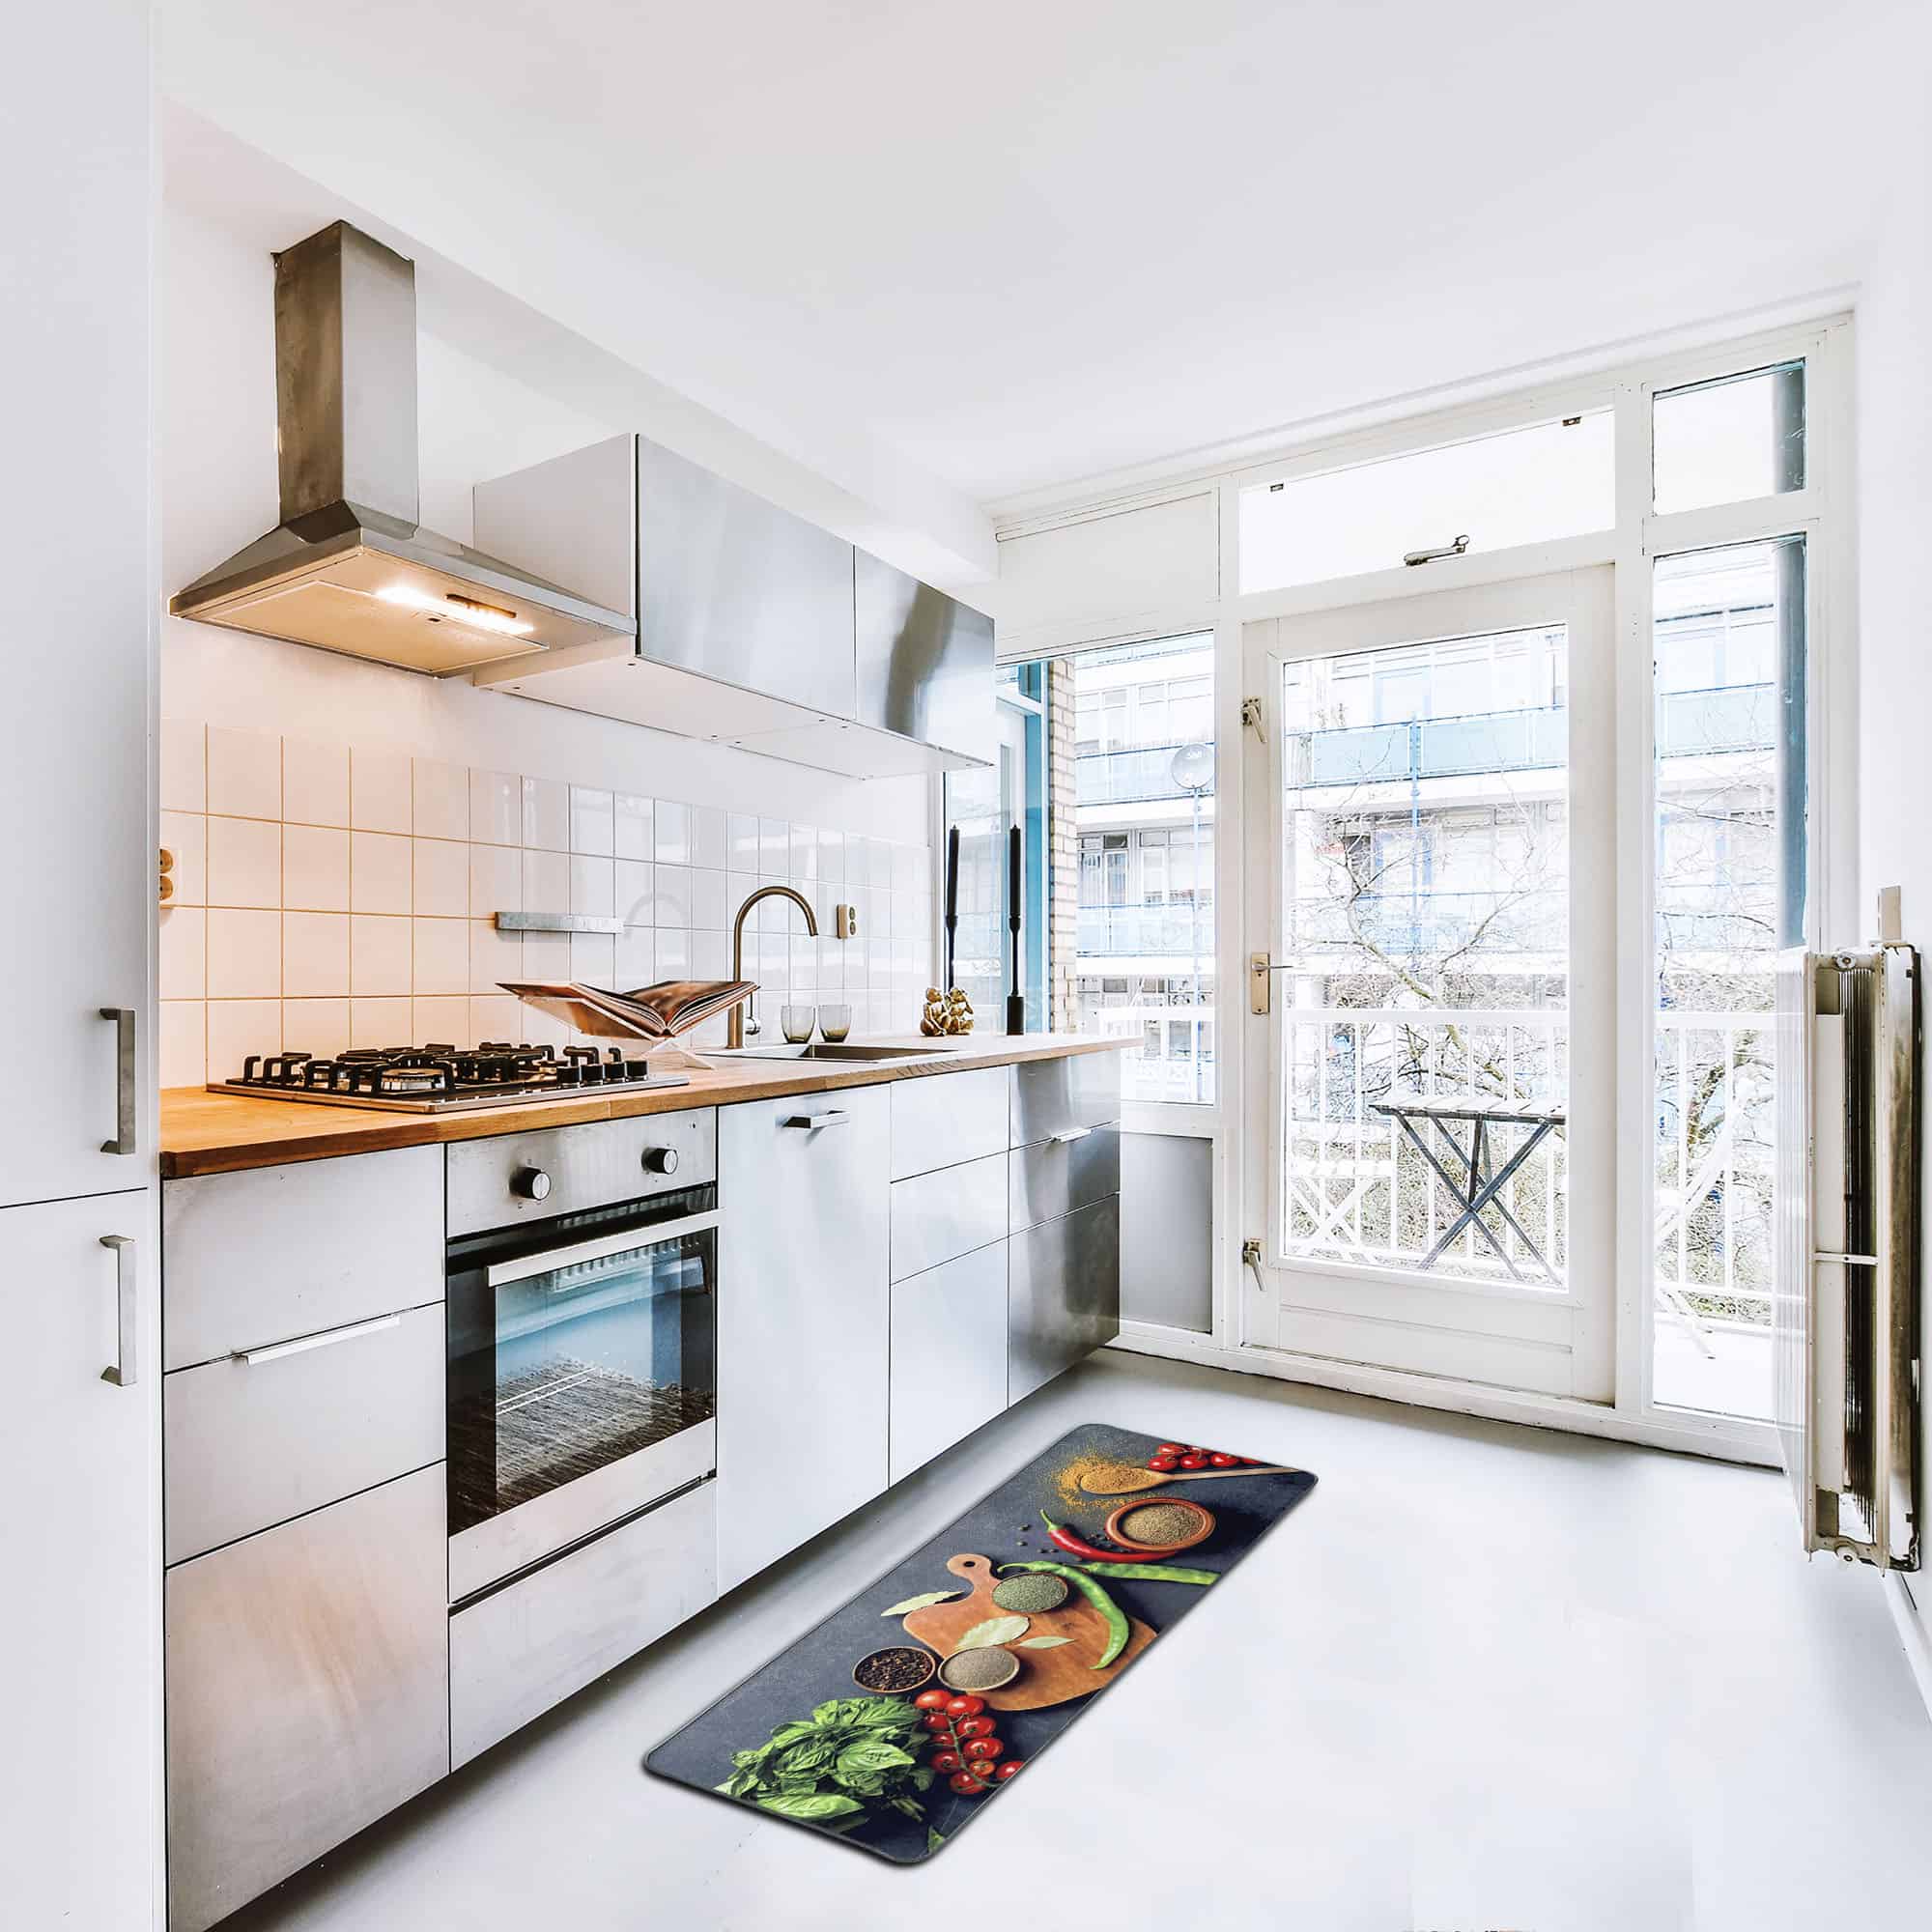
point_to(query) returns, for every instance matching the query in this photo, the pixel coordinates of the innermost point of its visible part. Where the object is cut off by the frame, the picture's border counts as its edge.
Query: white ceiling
(1016, 243)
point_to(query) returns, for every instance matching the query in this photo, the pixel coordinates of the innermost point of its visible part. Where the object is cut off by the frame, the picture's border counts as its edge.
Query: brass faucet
(735, 1027)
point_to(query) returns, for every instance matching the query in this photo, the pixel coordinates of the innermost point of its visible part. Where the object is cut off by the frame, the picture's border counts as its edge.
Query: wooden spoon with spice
(1122, 1479)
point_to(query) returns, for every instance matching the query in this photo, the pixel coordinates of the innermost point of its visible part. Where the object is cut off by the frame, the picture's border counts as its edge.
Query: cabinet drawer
(532, 1644)
(948, 1356)
(308, 1692)
(940, 1119)
(1057, 1176)
(259, 1257)
(1055, 1096)
(252, 1442)
(1062, 1294)
(948, 1213)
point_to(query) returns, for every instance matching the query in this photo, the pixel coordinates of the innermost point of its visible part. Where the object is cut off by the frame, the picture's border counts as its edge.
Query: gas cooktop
(438, 1079)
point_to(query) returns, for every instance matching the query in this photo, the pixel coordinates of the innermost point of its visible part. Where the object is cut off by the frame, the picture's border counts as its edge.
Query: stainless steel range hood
(350, 568)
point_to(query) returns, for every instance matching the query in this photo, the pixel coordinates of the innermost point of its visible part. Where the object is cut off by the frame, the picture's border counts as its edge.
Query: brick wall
(1063, 836)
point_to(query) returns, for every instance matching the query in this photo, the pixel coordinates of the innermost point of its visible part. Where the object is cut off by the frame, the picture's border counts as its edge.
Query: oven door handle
(633, 1240)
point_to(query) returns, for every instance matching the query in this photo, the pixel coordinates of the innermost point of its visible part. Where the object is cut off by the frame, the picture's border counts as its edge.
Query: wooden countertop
(217, 1133)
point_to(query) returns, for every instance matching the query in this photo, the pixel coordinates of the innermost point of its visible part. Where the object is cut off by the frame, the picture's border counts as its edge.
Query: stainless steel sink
(821, 1049)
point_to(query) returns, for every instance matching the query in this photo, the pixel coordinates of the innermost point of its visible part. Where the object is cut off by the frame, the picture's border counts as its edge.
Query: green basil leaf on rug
(819, 1807)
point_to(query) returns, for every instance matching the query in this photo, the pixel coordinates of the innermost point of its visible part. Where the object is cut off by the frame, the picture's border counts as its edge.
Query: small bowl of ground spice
(1161, 1528)
(983, 1669)
(896, 1670)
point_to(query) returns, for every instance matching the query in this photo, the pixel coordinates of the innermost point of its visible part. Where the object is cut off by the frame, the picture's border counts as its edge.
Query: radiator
(1845, 1301)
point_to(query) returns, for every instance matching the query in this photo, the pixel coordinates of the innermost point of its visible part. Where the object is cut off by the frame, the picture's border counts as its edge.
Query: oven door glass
(578, 1357)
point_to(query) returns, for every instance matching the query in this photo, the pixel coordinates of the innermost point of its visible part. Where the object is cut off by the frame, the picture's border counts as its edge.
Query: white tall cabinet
(78, 1620)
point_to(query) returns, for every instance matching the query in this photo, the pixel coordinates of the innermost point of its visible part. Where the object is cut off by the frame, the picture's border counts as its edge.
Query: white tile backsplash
(441, 799)
(382, 868)
(315, 867)
(183, 765)
(442, 886)
(245, 862)
(380, 789)
(328, 895)
(244, 954)
(244, 773)
(496, 808)
(315, 788)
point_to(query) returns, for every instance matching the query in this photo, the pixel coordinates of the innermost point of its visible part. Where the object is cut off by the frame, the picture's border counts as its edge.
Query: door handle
(125, 1372)
(125, 1098)
(327, 1338)
(1071, 1135)
(833, 1118)
(1260, 980)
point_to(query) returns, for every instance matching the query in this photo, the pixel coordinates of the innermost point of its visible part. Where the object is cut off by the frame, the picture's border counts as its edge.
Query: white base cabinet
(77, 1623)
(802, 1318)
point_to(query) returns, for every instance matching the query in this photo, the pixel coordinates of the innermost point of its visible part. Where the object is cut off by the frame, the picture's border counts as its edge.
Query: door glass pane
(1729, 441)
(1426, 882)
(1531, 485)
(1730, 872)
(1139, 790)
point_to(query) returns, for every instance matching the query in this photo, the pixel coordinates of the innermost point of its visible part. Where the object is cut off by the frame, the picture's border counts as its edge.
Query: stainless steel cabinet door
(1063, 1095)
(802, 1318)
(308, 1690)
(76, 1615)
(1062, 1294)
(735, 587)
(924, 660)
(949, 1354)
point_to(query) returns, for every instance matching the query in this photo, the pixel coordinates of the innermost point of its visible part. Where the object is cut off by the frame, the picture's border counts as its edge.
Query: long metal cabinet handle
(1071, 1135)
(126, 1099)
(126, 1370)
(833, 1118)
(327, 1338)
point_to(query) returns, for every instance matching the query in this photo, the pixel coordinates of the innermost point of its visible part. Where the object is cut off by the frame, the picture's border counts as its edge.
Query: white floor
(1484, 1677)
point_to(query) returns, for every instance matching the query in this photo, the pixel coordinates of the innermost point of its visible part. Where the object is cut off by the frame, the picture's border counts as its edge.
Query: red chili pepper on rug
(1086, 1552)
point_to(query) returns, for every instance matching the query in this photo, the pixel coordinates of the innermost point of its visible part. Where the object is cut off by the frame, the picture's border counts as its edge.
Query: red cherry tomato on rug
(932, 1700)
(966, 1784)
(1221, 1460)
(947, 1760)
(1012, 1767)
(1171, 1449)
(1194, 1461)
(977, 1727)
(936, 1720)
(964, 1707)
(1161, 1462)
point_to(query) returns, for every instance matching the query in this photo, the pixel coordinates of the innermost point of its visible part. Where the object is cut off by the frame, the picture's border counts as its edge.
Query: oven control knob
(660, 1160)
(530, 1183)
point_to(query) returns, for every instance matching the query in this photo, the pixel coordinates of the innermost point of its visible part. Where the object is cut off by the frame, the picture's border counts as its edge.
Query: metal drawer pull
(633, 1240)
(124, 1105)
(1070, 1135)
(834, 1118)
(125, 1372)
(327, 1338)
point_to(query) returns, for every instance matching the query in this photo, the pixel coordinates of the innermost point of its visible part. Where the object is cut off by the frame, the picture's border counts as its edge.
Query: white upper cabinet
(75, 636)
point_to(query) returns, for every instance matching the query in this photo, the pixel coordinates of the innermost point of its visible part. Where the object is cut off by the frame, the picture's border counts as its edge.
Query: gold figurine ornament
(945, 1013)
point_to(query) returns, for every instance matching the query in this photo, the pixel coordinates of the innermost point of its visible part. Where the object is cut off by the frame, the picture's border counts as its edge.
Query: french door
(1429, 880)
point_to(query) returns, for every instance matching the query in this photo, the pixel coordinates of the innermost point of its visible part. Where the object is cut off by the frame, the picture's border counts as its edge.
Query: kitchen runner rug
(903, 1714)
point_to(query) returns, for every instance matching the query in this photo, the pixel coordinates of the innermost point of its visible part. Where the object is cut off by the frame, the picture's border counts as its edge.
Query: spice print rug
(903, 1714)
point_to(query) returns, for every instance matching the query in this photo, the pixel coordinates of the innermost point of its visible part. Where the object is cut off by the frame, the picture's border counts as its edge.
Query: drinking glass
(796, 1023)
(835, 1022)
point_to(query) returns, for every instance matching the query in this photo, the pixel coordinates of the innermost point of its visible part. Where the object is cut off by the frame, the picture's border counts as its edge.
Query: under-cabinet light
(477, 615)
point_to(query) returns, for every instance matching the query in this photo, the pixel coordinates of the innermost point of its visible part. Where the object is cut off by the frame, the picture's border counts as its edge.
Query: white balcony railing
(1357, 1190)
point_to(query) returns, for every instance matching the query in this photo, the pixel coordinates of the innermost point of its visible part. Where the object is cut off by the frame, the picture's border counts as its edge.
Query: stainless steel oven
(581, 1275)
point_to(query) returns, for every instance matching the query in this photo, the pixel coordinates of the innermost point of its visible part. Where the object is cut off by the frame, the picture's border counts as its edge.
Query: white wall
(1894, 432)
(217, 485)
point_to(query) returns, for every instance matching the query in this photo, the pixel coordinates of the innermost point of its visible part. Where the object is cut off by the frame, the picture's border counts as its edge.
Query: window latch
(1251, 1255)
(1456, 549)
(1251, 716)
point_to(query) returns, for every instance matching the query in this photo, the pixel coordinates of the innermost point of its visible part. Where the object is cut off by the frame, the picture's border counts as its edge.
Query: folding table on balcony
(1471, 1187)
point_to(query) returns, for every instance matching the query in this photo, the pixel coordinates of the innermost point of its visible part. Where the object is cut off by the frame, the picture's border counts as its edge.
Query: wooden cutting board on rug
(1056, 1675)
